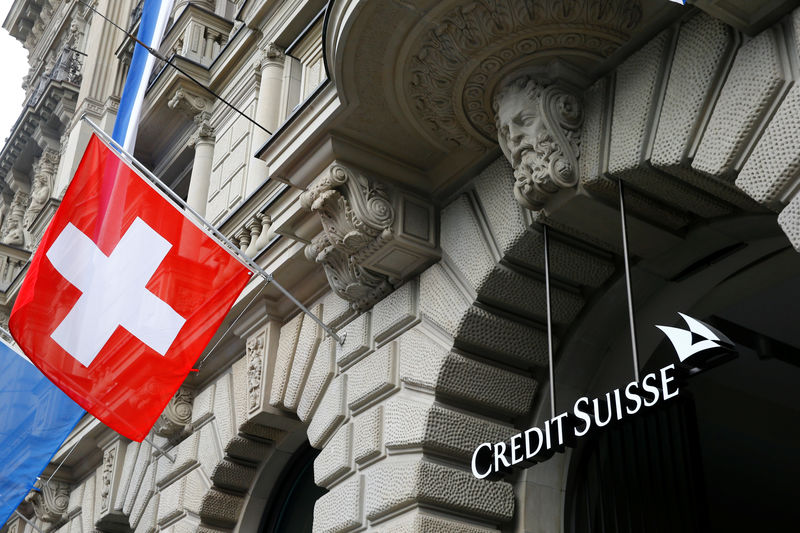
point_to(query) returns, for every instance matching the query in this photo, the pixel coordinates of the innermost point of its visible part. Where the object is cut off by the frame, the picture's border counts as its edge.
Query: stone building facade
(416, 151)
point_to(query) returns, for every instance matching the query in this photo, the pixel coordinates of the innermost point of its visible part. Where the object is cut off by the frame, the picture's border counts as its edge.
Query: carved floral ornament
(466, 48)
(539, 130)
(357, 218)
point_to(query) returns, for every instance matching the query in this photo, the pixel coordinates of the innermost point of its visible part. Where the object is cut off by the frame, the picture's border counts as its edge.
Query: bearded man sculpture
(539, 131)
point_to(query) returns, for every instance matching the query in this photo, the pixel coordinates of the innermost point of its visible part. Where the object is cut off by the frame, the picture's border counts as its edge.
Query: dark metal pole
(549, 322)
(628, 279)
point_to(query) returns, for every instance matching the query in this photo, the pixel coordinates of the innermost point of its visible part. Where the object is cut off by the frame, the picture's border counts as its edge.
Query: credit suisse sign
(698, 348)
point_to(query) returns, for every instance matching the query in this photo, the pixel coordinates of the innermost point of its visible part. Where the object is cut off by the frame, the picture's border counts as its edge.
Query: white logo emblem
(698, 338)
(114, 292)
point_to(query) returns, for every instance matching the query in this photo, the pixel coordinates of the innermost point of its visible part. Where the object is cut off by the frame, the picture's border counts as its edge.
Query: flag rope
(169, 62)
(207, 226)
(58, 467)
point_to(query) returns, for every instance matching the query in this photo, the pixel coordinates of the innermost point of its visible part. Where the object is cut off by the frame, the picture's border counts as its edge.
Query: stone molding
(539, 130)
(469, 48)
(372, 236)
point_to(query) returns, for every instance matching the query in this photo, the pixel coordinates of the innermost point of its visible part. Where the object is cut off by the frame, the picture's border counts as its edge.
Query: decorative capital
(271, 53)
(204, 132)
(189, 104)
(364, 247)
(50, 501)
(174, 422)
(539, 130)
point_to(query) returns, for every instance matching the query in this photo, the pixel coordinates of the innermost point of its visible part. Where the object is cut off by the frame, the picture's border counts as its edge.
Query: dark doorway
(291, 509)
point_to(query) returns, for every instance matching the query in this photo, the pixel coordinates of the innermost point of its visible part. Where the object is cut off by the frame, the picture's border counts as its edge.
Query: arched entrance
(721, 458)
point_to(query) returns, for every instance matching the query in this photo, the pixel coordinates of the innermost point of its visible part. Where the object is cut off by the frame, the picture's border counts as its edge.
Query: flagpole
(209, 228)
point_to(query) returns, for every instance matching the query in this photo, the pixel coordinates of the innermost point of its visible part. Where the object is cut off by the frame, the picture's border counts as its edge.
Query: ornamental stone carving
(12, 230)
(190, 104)
(106, 478)
(271, 53)
(373, 237)
(467, 48)
(539, 131)
(50, 501)
(255, 360)
(174, 422)
(357, 217)
(44, 171)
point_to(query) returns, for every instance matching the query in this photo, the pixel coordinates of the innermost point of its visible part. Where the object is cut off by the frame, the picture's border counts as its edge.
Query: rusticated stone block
(232, 476)
(357, 340)
(335, 310)
(393, 485)
(464, 242)
(412, 424)
(502, 391)
(639, 85)
(701, 56)
(368, 435)
(504, 339)
(395, 312)
(508, 289)
(248, 450)
(423, 363)
(440, 299)
(318, 378)
(372, 377)
(340, 509)
(335, 459)
(774, 165)
(330, 414)
(220, 508)
(287, 345)
(756, 79)
(307, 345)
(789, 221)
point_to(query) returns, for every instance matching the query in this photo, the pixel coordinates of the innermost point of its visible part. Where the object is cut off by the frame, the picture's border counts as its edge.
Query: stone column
(270, 65)
(203, 142)
(199, 108)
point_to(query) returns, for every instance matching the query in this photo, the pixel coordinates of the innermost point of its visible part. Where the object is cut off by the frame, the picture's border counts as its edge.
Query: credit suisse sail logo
(699, 347)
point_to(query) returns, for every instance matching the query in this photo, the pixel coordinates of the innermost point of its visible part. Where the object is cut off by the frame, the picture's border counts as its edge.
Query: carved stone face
(519, 124)
(538, 128)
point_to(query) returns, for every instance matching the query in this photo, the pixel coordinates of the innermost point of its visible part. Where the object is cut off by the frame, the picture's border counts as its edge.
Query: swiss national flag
(123, 294)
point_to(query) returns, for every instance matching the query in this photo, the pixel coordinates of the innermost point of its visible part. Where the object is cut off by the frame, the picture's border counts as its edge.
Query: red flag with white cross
(122, 295)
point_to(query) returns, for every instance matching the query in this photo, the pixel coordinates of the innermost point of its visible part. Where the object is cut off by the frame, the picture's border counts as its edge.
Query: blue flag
(155, 15)
(35, 419)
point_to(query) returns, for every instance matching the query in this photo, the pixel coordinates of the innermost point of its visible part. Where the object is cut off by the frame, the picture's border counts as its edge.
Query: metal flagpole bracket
(149, 441)
(27, 521)
(205, 225)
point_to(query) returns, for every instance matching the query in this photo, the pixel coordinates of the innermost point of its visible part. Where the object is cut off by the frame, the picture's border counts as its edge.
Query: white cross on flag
(122, 295)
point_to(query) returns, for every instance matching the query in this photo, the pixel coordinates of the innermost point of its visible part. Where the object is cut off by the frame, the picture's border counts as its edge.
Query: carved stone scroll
(368, 244)
(50, 501)
(174, 422)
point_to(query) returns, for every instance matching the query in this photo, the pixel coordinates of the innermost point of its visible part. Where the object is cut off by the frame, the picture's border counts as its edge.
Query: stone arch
(463, 344)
